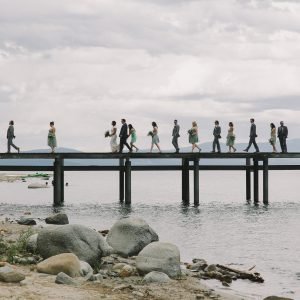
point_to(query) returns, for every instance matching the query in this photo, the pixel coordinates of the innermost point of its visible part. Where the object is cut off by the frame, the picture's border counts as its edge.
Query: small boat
(37, 185)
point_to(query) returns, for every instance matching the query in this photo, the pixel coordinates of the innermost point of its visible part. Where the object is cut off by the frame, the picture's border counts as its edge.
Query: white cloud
(85, 63)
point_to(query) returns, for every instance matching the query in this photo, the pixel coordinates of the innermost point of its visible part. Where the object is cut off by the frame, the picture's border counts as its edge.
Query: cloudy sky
(86, 63)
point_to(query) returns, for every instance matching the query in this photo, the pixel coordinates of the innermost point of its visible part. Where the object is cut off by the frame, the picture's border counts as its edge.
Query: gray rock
(129, 236)
(32, 243)
(63, 278)
(7, 274)
(87, 244)
(162, 257)
(157, 277)
(211, 268)
(199, 265)
(86, 270)
(277, 298)
(26, 221)
(57, 219)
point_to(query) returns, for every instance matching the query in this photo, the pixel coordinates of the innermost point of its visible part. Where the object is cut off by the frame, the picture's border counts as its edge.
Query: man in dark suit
(252, 136)
(123, 136)
(282, 134)
(175, 135)
(217, 136)
(10, 136)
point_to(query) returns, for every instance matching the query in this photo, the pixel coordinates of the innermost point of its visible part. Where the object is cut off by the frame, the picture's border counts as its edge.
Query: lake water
(223, 229)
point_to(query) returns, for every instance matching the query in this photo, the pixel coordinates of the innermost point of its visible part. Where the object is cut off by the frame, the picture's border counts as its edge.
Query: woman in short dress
(113, 138)
(52, 137)
(272, 139)
(193, 136)
(155, 138)
(231, 138)
(132, 133)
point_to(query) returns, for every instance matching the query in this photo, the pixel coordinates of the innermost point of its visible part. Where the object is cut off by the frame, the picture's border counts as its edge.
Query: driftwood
(243, 274)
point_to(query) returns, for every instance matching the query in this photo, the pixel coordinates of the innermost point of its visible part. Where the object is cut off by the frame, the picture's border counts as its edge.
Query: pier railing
(189, 162)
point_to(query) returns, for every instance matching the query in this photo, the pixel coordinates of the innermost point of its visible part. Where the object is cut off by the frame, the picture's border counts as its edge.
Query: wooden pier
(254, 163)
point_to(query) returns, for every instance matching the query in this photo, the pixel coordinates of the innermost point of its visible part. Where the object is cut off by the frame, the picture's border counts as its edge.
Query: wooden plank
(166, 155)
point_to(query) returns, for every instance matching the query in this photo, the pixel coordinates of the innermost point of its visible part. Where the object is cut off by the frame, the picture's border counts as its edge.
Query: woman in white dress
(113, 138)
(155, 138)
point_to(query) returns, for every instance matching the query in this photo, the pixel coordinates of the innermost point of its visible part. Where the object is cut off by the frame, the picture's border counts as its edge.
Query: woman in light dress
(52, 137)
(132, 133)
(272, 139)
(231, 138)
(113, 138)
(155, 138)
(193, 136)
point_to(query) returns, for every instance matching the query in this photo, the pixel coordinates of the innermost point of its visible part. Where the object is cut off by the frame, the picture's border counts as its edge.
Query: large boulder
(7, 274)
(67, 263)
(31, 244)
(161, 257)
(57, 219)
(87, 244)
(129, 236)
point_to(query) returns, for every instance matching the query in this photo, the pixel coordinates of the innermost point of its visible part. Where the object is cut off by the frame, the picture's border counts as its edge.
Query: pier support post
(128, 181)
(196, 181)
(182, 179)
(248, 179)
(266, 181)
(58, 182)
(121, 180)
(255, 181)
(185, 181)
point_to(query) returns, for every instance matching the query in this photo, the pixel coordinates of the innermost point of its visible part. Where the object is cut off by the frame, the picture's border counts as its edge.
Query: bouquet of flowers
(106, 133)
(190, 131)
(150, 133)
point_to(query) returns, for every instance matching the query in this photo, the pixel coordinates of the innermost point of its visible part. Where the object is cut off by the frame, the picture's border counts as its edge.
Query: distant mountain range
(293, 146)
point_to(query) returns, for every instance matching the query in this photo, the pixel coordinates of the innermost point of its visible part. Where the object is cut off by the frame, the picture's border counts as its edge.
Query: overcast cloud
(86, 63)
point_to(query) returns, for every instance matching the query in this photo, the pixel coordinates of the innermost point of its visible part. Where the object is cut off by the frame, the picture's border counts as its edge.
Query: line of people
(129, 131)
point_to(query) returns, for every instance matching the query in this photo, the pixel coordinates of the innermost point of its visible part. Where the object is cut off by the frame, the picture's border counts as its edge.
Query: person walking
(217, 136)
(230, 137)
(123, 136)
(52, 143)
(272, 139)
(282, 134)
(193, 136)
(175, 135)
(10, 136)
(155, 138)
(253, 137)
(132, 133)
(113, 138)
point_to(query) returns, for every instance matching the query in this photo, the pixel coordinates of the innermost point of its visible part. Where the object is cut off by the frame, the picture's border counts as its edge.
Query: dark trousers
(11, 144)
(216, 143)
(123, 141)
(283, 146)
(175, 143)
(252, 141)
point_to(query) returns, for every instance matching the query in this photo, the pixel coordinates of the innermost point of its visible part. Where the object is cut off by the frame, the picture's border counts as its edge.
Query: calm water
(223, 229)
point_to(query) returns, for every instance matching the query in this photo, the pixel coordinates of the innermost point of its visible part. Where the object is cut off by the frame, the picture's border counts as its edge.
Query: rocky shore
(69, 261)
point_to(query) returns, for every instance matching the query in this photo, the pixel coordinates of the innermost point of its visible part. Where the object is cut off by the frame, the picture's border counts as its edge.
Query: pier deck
(186, 162)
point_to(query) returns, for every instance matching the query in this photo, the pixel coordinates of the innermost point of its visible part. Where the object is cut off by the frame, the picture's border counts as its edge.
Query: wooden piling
(58, 182)
(128, 181)
(183, 179)
(121, 180)
(266, 181)
(186, 199)
(255, 181)
(248, 179)
(196, 181)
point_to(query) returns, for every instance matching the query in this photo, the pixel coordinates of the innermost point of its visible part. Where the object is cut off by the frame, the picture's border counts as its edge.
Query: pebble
(199, 296)
(139, 294)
